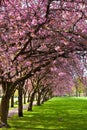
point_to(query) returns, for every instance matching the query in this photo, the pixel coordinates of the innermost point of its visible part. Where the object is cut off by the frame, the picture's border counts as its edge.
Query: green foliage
(60, 113)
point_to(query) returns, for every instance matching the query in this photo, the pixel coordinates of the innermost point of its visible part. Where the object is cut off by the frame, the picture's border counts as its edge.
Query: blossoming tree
(33, 34)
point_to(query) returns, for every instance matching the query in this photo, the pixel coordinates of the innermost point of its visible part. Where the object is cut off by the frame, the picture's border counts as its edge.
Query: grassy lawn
(56, 114)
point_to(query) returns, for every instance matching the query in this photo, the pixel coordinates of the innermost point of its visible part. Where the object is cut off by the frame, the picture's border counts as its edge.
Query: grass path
(14, 111)
(55, 114)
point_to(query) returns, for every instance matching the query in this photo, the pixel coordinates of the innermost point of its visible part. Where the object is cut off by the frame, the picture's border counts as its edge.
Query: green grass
(56, 114)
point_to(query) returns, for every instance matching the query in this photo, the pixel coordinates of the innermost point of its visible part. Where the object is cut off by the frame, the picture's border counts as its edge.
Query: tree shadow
(63, 114)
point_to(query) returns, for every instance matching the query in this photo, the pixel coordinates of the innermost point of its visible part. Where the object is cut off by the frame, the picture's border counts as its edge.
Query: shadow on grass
(55, 114)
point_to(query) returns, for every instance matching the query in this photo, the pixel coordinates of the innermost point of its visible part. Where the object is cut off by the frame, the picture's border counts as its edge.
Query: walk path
(14, 111)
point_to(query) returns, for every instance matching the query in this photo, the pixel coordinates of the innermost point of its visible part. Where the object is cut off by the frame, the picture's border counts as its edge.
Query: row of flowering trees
(35, 33)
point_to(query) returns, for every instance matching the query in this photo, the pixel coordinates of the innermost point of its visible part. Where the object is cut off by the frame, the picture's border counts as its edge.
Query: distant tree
(36, 33)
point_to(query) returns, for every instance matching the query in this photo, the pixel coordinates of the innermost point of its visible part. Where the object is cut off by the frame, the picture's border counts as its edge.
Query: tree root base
(3, 125)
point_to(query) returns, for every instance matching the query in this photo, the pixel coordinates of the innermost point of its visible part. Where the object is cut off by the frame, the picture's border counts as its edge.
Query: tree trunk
(12, 101)
(44, 97)
(79, 94)
(4, 111)
(39, 99)
(20, 104)
(76, 92)
(31, 101)
(24, 98)
(42, 102)
(28, 97)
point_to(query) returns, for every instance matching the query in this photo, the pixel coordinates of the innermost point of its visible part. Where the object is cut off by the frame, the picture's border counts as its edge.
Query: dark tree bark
(31, 101)
(39, 99)
(28, 97)
(4, 107)
(4, 110)
(20, 104)
(12, 101)
(24, 97)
